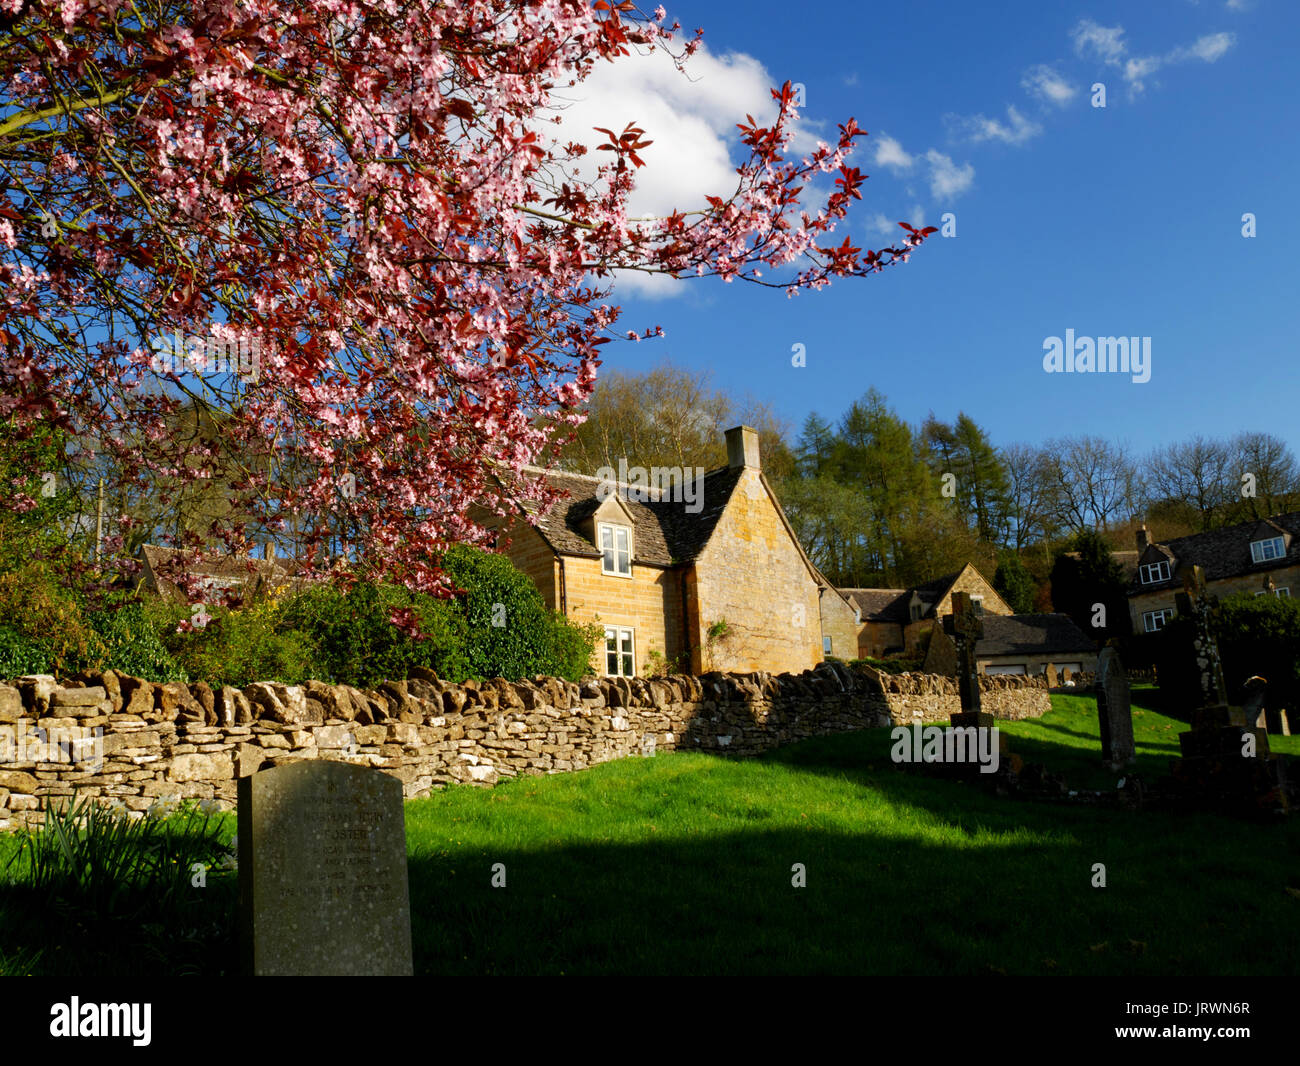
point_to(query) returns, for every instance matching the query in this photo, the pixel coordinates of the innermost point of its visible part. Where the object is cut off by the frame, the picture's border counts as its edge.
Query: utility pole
(99, 523)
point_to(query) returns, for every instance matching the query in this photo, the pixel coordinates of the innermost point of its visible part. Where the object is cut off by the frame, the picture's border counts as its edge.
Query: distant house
(249, 576)
(1019, 644)
(1260, 557)
(715, 582)
(900, 621)
(895, 621)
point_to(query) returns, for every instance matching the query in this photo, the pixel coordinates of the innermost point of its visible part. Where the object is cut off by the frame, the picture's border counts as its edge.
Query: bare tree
(1094, 481)
(1194, 472)
(1275, 480)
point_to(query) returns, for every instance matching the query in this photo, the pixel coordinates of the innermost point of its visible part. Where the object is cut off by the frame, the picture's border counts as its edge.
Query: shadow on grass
(930, 877)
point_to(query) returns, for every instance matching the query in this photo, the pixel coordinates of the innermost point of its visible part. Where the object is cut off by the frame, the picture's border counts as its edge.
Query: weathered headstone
(1256, 697)
(322, 872)
(965, 627)
(1052, 679)
(1114, 711)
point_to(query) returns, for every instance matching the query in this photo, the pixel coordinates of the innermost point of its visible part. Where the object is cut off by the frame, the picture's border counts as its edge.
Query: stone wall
(140, 744)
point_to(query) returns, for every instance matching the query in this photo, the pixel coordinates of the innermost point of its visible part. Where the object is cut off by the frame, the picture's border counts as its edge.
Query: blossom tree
(350, 230)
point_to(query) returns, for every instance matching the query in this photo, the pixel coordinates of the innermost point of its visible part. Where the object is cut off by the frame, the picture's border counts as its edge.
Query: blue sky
(1125, 220)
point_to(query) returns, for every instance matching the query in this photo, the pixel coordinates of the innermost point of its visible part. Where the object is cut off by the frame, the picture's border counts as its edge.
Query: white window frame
(1284, 593)
(1162, 615)
(622, 658)
(609, 562)
(1153, 573)
(1259, 549)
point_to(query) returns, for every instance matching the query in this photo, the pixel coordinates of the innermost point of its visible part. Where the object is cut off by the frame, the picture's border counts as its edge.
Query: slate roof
(664, 531)
(891, 605)
(1224, 553)
(1031, 634)
(880, 605)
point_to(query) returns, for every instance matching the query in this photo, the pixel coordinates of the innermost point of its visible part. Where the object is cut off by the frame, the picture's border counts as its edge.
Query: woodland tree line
(879, 502)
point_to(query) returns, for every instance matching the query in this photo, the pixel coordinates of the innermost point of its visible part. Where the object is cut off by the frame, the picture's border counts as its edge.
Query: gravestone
(1114, 711)
(322, 872)
(1052, 679)
(1225, 759)
(965, 627)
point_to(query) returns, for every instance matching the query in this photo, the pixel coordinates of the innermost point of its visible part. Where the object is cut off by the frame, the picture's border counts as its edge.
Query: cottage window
(620, 660)
(1152, 573)
(1154, 621)
(616, 550)
(1262, 551)
(916, 612)
(1280, 593)
(977, 604)
(826, 645)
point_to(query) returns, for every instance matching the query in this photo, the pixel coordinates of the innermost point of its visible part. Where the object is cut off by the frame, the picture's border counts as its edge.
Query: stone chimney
(1143, 538)
(742, 448)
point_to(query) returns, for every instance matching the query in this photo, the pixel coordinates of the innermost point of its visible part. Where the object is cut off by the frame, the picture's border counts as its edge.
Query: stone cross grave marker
(1114, 711)
(965, 627)
(1194, 602)
(322, 872)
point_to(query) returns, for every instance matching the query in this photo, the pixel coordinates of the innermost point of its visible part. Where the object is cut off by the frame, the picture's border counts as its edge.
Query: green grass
(681, 864)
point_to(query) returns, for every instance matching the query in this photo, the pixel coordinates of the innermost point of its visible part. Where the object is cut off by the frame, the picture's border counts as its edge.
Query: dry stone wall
(142, 745)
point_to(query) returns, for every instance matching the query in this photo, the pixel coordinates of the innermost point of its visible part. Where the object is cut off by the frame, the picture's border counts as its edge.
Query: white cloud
(1209, 48)
(889, 153)
(691, 118)
(1107, 44)
(1046, 84)
(1104, 42)
(1016, 130)
(948, 179)
(1237, 5)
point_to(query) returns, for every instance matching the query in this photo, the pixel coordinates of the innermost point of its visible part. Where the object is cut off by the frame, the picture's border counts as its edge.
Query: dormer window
(1152, 573)
(1263, 551)
(916, 612)
(615, 550)
(977, 604)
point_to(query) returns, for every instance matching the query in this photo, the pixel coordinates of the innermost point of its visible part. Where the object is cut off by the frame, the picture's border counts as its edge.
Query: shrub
(1257, 635)
(355, 642)
(510, 632)
(46, 620)
(130, 643)
(20, 654)
(240, 646)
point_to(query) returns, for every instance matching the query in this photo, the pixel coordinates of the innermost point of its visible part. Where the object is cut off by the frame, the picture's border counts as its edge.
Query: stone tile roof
(1031, 634)
(229, 566)
(1224, 553)
(880, 605)
(664, 531)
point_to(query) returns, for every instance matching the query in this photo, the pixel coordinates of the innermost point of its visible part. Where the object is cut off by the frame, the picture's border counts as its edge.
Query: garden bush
(1257, 635)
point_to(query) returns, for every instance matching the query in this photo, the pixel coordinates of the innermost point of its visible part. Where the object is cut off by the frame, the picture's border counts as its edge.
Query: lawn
(683, 863)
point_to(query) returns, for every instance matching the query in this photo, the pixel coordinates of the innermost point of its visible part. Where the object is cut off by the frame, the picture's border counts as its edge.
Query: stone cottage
(718, 581)
(1260, 557)
(1019, 644)
(897, 621)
